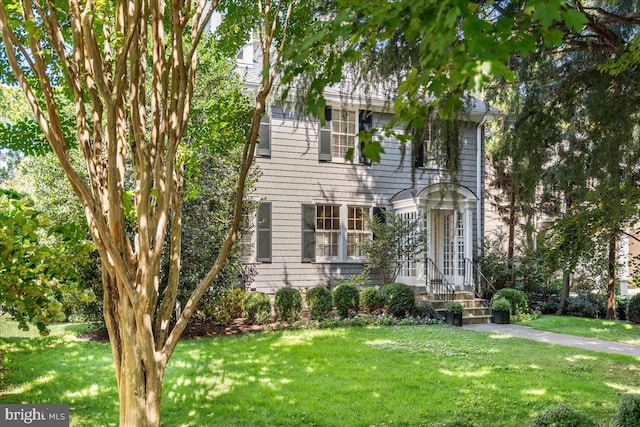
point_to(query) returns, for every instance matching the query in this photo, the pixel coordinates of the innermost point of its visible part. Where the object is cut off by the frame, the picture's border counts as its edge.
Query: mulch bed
(196, 328)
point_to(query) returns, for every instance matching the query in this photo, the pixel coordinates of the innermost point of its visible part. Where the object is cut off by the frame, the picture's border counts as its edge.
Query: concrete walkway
(527, 332)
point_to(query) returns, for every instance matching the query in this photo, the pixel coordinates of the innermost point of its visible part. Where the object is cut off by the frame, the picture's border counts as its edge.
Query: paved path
(527, 332)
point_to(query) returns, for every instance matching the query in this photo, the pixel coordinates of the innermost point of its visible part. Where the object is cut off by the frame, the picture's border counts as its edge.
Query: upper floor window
(339, 135)
(425, 151)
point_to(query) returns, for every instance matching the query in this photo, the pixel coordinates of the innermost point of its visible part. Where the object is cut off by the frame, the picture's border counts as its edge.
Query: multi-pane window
(408, 266)
(343, 136)
(327, 230)
(448, 245)
(357, 230)
(460, 243)
(453, 245)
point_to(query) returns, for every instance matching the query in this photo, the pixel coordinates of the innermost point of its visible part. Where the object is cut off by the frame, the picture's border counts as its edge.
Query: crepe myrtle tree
(129, 68)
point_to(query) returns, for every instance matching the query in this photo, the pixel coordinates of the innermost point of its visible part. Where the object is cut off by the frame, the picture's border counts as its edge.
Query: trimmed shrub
(222, 306)
(628, 412)
(257, 307)
(288, 304)
(320, 302)
(633, 309)
(562, 415)
(346, 299)
(425, 310)
(399, 299)
(371, 299)
(518, 299)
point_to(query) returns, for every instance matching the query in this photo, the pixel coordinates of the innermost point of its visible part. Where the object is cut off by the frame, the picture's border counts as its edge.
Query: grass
(359, 376)
(610, 330)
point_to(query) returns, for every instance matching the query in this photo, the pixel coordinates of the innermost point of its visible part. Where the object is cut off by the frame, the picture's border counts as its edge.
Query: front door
(448, 243)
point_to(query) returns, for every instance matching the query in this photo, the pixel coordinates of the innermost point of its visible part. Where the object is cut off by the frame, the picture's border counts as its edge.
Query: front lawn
(359, 376)
(610, 330)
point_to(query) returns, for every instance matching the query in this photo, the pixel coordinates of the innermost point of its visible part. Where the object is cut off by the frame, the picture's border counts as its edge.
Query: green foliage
(562, 415)
(633, 309)
(36, 264)
(372, 299)
(288, 304)
(501, 304)
(257, 307)
(346, 299)
(621, 307)
(399, 299)
(425, 310)
(628, 412)
(587, 305)
(222, 306)
(517, 298)
(394, 239)
(320, 302)
(454, 307)
(211, 154)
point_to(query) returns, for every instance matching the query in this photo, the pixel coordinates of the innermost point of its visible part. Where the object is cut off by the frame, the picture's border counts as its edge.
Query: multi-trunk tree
(129, 69)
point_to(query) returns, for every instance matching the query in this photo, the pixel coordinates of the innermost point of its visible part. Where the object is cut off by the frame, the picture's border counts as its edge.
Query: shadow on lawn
(330, 377)
(404, 376)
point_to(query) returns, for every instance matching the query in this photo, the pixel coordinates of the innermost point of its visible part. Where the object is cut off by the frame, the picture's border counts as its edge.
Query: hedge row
(395, 299)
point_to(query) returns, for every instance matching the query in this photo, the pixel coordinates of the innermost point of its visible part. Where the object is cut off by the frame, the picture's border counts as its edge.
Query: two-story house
(312, 202)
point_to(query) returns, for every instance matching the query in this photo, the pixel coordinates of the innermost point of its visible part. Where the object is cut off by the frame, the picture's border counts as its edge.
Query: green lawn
(359, 376)
(592, 328)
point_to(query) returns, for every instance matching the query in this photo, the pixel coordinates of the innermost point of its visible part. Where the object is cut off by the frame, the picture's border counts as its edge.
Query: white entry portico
(447, 213)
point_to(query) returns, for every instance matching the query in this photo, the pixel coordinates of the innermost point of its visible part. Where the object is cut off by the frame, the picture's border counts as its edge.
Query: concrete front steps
(476, 310)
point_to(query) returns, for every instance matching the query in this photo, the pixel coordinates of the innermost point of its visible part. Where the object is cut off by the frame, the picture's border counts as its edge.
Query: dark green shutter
(324, 145)
(264, 137)
(263, 237)
(308, 233)
(365, 124)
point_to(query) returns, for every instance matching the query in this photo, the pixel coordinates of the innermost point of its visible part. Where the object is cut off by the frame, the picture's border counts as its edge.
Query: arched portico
(447, 214)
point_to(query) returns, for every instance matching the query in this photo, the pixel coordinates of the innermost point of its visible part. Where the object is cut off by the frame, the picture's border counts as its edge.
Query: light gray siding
(293, 176)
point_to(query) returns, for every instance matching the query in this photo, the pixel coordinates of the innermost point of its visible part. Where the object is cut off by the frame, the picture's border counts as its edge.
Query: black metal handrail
(474, 279)
(437, 283)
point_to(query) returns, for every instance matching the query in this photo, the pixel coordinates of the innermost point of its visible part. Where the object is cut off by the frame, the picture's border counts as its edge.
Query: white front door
(448, 243)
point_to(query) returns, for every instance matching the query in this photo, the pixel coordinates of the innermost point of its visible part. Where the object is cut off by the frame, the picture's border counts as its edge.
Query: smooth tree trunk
(132, 102)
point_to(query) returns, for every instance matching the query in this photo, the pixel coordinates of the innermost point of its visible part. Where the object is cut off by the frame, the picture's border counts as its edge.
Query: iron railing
(437, 283)
(475, 280)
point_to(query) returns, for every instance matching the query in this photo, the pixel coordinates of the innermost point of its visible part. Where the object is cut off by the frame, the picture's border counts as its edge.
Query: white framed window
(343, 135)
(339, 135)
(327, 231)
(426, 151)
(334, 232)
(357, 230)
(408, 262)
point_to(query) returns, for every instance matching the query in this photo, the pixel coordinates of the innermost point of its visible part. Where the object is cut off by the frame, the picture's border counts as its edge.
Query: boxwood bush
(371, 299)
(288, 304)
(347, 300)
(633, 309)
(320, 302)
(399, 299)
(628, 412)
(562, 415)
(257, 307)
(518, 299)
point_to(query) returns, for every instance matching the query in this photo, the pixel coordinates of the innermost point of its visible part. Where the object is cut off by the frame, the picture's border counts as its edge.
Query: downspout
(479, 163)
